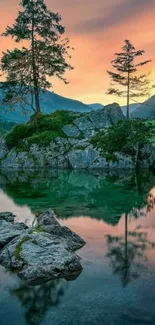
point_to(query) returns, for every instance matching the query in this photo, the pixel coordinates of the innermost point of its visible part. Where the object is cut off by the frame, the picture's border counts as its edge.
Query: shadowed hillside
(145, 110)
(49, 102)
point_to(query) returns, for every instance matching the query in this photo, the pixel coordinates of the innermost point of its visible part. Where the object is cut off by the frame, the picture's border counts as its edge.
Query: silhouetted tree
(44, 54)
(126, 66)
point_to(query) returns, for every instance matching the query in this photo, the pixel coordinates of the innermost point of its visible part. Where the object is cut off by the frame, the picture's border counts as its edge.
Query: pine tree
(125, 75)
(44, 54)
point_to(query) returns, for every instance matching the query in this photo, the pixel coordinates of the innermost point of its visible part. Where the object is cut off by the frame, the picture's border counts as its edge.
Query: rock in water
(42, 253)
(8, 229)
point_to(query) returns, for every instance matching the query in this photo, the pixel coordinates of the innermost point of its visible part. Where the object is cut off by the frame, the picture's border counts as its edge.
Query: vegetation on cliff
(41, 129)
(126, 137)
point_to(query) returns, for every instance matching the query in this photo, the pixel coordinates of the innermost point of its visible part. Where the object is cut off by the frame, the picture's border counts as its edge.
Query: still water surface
(115, 214)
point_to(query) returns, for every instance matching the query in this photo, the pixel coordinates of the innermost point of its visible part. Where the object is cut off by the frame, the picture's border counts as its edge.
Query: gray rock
(83, 123)
(42, 253)
(147, 157)
(8, 231)
(121, 162)
(73, 141)
(50, 224)
(114, 113)
(74, 241)
(62, 162)
(3, 148)
(7, 216)
(83, 158)
(48, 218)
(71, 131)
(46, 257)
(100, 118)
(89, 133)
(82, 144)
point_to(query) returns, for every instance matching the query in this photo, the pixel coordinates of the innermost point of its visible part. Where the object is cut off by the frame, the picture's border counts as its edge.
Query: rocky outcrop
(42, 253)
(74, 150)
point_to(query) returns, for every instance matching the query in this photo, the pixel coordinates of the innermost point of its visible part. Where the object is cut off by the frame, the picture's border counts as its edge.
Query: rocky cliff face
(74, 150)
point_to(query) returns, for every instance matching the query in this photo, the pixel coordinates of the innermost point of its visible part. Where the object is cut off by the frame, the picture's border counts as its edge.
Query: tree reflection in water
(37, 300)
(127, 253)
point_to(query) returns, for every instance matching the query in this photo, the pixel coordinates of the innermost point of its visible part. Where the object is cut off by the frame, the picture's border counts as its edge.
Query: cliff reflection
(98, 194)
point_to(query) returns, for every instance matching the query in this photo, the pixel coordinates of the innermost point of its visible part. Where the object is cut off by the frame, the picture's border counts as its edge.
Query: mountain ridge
(51, 101)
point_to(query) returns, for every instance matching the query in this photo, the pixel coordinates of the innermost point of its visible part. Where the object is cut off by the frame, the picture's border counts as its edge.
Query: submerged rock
(42, 253)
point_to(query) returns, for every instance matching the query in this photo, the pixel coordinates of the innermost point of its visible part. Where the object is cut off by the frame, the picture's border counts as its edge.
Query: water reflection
(127, 254)
(114, 213)
(99, 194)
(37, 300)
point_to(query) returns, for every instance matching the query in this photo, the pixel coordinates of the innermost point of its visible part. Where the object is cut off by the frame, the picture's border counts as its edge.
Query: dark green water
(115, 214)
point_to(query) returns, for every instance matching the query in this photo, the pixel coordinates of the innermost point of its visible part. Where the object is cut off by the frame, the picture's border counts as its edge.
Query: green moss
(39, 228)
(41, 129)
(18, 249)
(44, 138)
(111, 156)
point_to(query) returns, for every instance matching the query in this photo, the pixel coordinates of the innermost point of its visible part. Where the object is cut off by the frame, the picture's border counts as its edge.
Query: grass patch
(40, 228)
(18, 249)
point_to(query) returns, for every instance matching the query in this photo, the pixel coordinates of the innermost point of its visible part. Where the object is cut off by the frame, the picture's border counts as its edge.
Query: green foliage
(124, 137)
(44, 55)
(41, 129)
(18, 133)
(44, 138)
(123, 75)
(5, 126)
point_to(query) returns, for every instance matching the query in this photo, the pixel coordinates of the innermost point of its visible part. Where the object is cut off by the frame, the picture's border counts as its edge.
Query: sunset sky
(97, 29)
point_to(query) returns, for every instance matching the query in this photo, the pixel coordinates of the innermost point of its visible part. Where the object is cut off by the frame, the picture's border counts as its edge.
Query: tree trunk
(126, 239)
(35, 77)
(126, 266)
(128, 97)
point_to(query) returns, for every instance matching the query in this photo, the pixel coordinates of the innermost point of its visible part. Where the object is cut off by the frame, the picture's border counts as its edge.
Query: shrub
(124, 137)
(44, 138)
(41, 129)
(18, 133)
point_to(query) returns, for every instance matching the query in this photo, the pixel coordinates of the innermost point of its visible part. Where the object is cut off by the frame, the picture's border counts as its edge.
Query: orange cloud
(96, 30)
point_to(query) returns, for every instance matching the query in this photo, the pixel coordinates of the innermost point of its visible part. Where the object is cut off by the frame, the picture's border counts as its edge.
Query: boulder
(71, 131)
(100, 119)
(7, 216)
(147, 157)
(51, 225)
(82, 159)
(9, 231)
(114, 112)
(84, 123)
(42, 253)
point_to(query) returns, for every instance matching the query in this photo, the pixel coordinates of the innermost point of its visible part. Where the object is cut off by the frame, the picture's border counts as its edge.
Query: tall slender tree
(125, 76)
(43, 54)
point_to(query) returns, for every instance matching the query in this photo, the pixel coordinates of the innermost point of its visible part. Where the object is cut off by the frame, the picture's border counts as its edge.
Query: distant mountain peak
(146, 109)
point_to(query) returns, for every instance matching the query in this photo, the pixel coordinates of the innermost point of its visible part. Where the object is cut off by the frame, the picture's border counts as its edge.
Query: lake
(115, 213)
